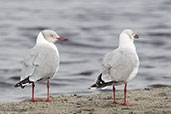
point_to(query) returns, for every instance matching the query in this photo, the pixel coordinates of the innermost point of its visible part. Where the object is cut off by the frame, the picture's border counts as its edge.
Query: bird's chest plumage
(47, 60)
(51, 57)
(128, 62)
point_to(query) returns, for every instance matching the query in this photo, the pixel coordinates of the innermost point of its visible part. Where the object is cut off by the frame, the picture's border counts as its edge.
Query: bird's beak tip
(62, 38)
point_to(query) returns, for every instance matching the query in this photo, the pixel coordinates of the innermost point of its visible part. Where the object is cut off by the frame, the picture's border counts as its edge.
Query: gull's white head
(128, 33)
(126, 39)
(51, 36)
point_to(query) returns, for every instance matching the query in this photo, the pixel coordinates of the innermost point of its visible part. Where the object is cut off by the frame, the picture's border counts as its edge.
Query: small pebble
(79, 96)
(131, 113)
(90, 99)
(136, 99)
(75, 95)
(66, 100)
(146, 88)
(78, 104)
(91, 113)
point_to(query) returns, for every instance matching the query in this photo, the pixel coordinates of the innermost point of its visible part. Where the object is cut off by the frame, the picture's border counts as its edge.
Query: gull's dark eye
(51, 35)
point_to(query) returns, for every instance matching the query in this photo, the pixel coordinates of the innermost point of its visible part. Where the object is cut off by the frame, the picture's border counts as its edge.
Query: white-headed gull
(121, 65)
(41, 62)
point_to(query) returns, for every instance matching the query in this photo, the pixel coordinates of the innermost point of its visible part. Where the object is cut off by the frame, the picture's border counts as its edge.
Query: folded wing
(41, 63)
(118, 65)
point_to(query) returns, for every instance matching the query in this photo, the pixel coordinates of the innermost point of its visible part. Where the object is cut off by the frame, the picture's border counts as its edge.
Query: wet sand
(147, 101)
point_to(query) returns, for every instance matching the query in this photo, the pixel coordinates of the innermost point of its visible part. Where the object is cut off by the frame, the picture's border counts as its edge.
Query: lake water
(92, 29)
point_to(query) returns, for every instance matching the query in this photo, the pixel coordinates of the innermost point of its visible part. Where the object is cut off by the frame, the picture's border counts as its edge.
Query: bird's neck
(126, 42)
(41, 39)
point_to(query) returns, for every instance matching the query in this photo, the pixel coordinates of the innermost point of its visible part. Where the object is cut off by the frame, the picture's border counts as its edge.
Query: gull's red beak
(62, 38)
(136, 36)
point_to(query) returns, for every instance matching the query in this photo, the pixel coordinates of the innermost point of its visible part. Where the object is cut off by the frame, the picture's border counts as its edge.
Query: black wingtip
(100, 83)
(93, 86)
(20, 84)
(17, 85)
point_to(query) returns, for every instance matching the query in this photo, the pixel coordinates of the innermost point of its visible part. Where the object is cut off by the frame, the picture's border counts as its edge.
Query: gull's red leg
(34, 100)
(32, 92)
(48, 100)
(114, 101)
(125, 90)
(48, 86)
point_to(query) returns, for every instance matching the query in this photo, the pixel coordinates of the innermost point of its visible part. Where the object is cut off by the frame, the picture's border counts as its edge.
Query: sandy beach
(147, 101)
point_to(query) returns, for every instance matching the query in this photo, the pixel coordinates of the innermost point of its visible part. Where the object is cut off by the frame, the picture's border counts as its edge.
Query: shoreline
(147, 101)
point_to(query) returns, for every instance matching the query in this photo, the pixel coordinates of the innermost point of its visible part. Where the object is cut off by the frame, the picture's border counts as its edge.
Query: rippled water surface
(92, 29)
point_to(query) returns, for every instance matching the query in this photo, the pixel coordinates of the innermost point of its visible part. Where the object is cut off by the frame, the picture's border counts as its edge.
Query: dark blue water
(92, 29)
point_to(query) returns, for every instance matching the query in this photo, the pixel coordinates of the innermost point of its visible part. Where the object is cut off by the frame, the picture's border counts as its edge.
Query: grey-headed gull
(41, 62)
(121, 65)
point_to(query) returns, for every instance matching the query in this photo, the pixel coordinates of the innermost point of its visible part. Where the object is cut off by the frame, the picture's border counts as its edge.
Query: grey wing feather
(29, 67)
(40, 63)
(118, 65)
(107, 65)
